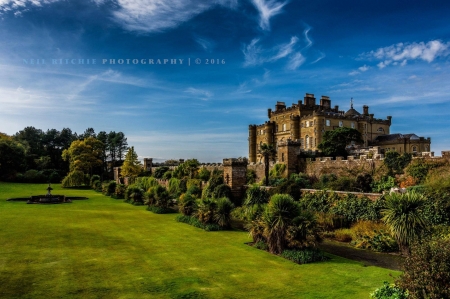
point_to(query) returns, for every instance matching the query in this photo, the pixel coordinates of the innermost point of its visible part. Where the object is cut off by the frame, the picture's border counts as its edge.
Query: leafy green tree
(403, 215)
(84, 155)
(131, 166)
(334, 142)
(12, 157)
(396, 162)
(269, 153)
(160, 171)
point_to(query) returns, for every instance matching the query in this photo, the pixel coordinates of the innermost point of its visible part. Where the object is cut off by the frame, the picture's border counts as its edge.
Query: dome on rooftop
(352, 112)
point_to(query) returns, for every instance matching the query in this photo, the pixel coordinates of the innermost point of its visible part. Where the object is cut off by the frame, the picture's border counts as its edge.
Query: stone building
(303, 125)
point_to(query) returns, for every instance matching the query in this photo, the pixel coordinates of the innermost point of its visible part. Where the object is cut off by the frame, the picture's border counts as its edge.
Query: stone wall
(372, 196)
(326, 165)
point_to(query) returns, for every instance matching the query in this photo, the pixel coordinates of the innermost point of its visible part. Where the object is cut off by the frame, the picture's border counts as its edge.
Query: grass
(104, 248)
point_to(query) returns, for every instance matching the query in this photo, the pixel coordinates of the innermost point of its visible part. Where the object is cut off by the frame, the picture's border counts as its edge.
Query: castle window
(414, 149)
(282, 157)
(306, 124)
(327, 123)
(307, 141)
(302, 125)
(284, 127)
(261, 132)
(341, 124)
(380, 129)
(311, 123)
(352, 125)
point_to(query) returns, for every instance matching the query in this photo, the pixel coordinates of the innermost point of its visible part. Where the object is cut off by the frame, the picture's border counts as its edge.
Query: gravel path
(367, 257)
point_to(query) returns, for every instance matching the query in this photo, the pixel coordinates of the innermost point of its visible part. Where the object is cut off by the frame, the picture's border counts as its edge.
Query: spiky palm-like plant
(222, 215)
(277, 218)
(404, 217)
(268, 152)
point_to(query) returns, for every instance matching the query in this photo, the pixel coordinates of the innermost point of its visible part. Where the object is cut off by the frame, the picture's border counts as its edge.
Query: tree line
(34, 155)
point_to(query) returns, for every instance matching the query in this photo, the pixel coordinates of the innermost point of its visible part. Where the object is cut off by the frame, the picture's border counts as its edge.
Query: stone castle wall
(326, 165)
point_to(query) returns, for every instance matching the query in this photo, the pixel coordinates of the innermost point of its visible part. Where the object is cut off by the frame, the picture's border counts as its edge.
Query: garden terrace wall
(340, 167)
(372, 196)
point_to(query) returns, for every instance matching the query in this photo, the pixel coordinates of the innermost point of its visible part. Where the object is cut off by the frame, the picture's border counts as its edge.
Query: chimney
(366, 110)
(325, 102)
(336, 108)
(310, 100)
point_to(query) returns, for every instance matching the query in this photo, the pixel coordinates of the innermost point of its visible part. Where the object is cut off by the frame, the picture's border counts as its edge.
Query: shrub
(159, 197)
(159, 172)
(187, 204)
(194, 191)
(146, 183)
(329, 221)
(73, 178)
(364, 182)
(54, 177)
(343, 235)
(354, 209)
(385, 183)
(134, 195)
(250, 176)
(194, 182)
(374, 236)
(35, 176)
(222, 190)
(204, 174)
(160, 210)
(97, 186)
(318, 202)
(120, 191)
(388, 291)
(261, 245)
(304, 256)
(174, 186)
(196, 223)
(427, 270)
(167, 175)
(94, 178)
(222, 214)
(111, 189)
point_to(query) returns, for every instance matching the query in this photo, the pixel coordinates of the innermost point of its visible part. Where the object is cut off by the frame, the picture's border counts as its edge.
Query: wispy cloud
(202, 94)
(267, 9)
(158, 15)
(19, 5)
(401, 53)
(205, 43)
(254, 54)
(361, 69)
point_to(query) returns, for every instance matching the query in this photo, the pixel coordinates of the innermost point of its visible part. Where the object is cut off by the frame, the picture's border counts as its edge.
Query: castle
(303, 125)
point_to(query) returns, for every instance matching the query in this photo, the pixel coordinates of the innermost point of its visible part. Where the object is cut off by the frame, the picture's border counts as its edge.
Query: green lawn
(104, 248)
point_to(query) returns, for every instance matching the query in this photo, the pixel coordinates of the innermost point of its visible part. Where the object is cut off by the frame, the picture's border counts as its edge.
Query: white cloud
(7, 5)
(202, 94)
(267, 9)
(158, 15)
(401, 53)
(295, 61)
(256, 55)
(364, 68)
(285, 49)
(205, 43)
(352, 73)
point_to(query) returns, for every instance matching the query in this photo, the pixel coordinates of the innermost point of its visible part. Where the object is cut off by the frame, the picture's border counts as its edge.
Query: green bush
(94, 178)
(160, 171)
(187, 204)
(204, 174)
(160, 210)
(167, 175)
(354, 209)
(196, 223)
(384, 184)
(427, 270)
(261, 245)
(388, 291)
(134, 195)
(97, 186)
(119, 193)
(111, 188)
(304, 256)
(146, 183)
(174, 186)
(195, 191)
(222, 190)
(194, 182)
(159, 197)
(73, 178)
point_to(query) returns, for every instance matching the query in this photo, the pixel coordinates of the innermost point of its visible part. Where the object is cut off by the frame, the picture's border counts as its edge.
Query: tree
(12, 157)
(84, 155)
(131, 166)
(334, 142)
(404, 217)
(268, 152)
(396, 162)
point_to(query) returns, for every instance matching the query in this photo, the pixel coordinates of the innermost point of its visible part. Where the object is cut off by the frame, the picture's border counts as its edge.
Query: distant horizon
(185, 78)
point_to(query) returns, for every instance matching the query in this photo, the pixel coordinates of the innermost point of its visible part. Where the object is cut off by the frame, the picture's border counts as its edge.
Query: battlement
(235, 162)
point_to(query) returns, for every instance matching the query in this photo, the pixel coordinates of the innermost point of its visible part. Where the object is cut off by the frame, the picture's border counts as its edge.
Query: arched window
(307, 141)
(284, 127)
(414, 149)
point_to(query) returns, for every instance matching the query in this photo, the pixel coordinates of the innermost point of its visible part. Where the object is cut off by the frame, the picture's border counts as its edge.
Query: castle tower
(270, 129)
(148, 163)
(252, 143)
(295, 127)
(288, 152)
(234, 175)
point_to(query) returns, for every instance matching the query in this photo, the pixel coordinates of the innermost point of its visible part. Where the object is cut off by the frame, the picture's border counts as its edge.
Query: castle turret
(295, 127)
(252, 143)
(270, 129)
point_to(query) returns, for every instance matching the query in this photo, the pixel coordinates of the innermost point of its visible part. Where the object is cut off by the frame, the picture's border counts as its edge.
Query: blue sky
(391, 55)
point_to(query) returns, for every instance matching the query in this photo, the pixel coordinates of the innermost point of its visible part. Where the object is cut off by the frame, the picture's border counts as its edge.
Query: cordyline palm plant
(222, 214)
(255, 202)
(403, 215)
(268, 152)
(277, 219)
